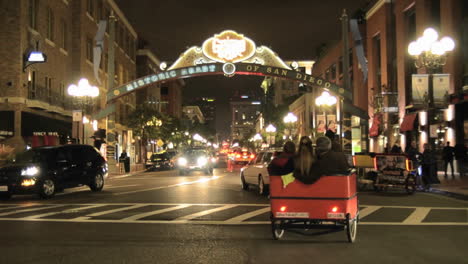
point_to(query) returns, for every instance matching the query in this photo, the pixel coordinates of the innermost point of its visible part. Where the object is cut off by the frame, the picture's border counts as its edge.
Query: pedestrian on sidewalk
(447, 155)
(429, 167)
(461, 157)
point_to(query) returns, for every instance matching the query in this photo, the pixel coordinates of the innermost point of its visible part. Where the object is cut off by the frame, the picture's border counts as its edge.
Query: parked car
(160, 161)
(256, 173)
(195, 159)
(46, 170)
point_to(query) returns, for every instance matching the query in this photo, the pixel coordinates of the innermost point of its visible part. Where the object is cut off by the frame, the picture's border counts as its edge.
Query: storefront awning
(408, 122)
(376, 120)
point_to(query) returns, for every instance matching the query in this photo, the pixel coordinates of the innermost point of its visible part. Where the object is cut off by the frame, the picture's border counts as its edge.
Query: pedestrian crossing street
(218, 214)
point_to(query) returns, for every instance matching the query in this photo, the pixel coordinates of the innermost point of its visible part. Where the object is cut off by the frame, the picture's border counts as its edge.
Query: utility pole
(346, 79)
(111, 140)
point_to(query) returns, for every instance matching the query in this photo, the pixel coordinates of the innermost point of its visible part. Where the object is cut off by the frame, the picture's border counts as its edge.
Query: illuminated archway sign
(227, 53)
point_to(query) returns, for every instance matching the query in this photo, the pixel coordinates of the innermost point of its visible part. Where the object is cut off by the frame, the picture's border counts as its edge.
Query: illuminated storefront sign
(228, 46)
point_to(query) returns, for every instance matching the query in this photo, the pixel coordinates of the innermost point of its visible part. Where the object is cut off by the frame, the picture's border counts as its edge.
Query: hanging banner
(331, 123)
(441, 85)
(420, 89)
(321, 126)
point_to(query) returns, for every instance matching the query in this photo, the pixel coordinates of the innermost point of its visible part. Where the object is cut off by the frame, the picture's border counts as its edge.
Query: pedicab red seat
(329, 198)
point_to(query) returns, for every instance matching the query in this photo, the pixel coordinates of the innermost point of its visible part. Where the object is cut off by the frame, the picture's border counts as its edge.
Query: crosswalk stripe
(30, 210)
(143, 215)
(246, 216)
(62, 212)
(206, 212)
(367, 211)
(115, 210)
(417, 216)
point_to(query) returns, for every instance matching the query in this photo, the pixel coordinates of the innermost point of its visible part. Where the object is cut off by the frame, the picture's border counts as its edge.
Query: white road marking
(170, 186)
(367, 211)
(110, 211)
(417, 216)
(206, 212)
(62, 212)
(30, 210)
(240, 218)
(143, 215)
(120, 186)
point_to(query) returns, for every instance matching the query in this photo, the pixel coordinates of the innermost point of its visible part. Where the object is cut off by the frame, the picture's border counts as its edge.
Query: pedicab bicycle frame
(394, 170)
(329, 203)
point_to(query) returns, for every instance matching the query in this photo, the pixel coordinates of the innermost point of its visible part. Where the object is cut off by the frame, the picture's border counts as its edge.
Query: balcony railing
(43, 94)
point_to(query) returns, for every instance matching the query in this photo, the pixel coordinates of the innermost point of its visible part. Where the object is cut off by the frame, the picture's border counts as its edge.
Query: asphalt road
(160, 217)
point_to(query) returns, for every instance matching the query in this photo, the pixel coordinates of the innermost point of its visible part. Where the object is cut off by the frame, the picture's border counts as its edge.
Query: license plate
(336, 215)
(293, 214)
(3, 188)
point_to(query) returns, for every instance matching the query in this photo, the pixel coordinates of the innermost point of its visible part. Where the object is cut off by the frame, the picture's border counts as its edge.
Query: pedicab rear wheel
(276, 229)
(410, 184)
(351, 228)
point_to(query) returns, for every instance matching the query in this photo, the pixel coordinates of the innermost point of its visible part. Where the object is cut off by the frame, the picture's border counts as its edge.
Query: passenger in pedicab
(329, 162)
(303, 161)
(283, 163)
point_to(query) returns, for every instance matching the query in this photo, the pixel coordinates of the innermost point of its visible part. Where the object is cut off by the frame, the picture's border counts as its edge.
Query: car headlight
(202, 161)
(30, 171)
(182, 161)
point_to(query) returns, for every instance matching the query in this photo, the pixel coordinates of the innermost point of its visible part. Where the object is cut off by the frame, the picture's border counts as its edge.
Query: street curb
(450, 194)
(118, 176)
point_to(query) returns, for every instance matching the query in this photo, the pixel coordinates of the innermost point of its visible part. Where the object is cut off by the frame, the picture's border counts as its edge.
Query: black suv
(160, 161)
(45, 170)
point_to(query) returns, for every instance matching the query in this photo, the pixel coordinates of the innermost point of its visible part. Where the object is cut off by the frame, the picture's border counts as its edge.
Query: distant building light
(244, 96)
(210, 100)
(256, 103)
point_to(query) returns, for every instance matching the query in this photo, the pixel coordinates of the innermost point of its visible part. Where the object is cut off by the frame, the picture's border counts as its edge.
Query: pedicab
(329, 203)
(394, 171)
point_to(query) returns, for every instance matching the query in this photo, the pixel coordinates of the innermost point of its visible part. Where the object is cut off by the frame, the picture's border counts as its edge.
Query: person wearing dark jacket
(284, 162)
(303, 162)
(429, 167)
(328, 162)
(461, 157)
(448, 155)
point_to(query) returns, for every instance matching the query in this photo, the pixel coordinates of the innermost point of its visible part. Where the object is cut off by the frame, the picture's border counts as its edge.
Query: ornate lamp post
(257, 138)
(290, 121)
(84, 92)
(430, 53)
(324, 101)
(271, 130)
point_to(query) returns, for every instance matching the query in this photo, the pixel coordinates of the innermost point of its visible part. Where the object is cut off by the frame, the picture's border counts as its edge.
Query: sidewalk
(134, 169)
(455, 187)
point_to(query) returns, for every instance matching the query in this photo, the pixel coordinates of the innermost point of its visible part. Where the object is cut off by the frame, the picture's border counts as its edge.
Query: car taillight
(334, 209)
(252, 156)
(238, 156)
(283, 208)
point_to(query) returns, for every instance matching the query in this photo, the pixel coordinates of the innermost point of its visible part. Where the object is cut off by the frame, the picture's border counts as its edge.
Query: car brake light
(238, 156)
(283, 208)
(335, 209)
(252, 156)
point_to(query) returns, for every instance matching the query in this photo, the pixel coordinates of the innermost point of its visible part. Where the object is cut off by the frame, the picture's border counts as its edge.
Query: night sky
(293, 29)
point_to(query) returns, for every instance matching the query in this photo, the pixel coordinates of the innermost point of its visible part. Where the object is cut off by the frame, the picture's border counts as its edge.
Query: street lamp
(271, 130)
(257, 138)
(431, 54)
(290, 120)
(83, 91)
(324, 100)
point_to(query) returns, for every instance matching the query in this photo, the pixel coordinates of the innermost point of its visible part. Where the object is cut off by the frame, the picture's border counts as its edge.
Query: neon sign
(228, 46)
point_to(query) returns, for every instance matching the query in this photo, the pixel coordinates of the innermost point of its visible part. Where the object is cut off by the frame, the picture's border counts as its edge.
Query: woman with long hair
(303, 161)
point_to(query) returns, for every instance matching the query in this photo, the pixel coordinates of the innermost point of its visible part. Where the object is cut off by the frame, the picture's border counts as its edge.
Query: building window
(377, 63)
(164, 90)
(89, 49)
(410, 35)
(32, 85)
(33, 14)
(90, 8)
(333, 71)
(99, 10)
(64, 36)
(50, 24)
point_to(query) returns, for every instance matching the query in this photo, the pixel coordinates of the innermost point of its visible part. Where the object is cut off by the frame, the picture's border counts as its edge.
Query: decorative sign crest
(228, 46)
